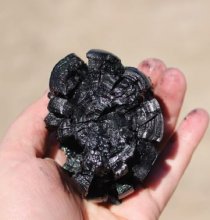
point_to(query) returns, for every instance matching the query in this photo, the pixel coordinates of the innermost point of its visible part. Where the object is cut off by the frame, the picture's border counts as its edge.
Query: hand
(35, 187)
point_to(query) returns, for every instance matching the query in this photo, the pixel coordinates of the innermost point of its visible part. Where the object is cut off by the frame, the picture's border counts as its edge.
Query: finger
(174, 159)
(168, 170)
(153, 68)
(53, 150)
(28, 133)
(170, 91)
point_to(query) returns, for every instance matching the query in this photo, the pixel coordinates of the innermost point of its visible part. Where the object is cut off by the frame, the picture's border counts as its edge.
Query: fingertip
(148, 65)
(173, 78)
(200, 116)
(194, 126)
(170, 89)
(153, 68)
(200, 111)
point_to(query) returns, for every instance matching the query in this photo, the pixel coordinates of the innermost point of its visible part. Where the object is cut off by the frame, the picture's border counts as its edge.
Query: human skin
(34, 186)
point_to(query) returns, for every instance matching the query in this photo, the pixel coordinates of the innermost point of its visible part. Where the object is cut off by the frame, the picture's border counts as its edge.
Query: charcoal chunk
(108, 123)
(123, 190)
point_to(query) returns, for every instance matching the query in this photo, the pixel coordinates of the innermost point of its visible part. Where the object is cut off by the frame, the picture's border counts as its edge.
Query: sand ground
(36, 34)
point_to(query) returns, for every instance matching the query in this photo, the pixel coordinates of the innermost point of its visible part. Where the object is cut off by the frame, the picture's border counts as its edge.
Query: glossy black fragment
(107, 122)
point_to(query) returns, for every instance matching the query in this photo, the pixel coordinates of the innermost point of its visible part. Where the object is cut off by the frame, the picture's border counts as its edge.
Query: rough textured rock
(107, 121)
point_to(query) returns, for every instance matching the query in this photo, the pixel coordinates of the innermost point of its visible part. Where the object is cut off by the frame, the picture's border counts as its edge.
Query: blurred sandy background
(34, 35)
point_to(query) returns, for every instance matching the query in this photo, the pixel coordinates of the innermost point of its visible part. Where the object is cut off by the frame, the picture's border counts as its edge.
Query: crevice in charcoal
(57, 94)
(108, 110)
(99, 78)
(148, 141)
(132, 109)
(57, 115)
(72, 92)
(116, 83)
(148, 95)
(73, 144)
(149, 119)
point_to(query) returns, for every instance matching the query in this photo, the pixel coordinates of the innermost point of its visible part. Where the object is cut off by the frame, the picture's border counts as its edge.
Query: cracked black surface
(107, 122)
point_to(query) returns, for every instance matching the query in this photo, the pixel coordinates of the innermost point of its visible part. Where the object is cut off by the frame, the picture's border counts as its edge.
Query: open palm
(33, 186)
